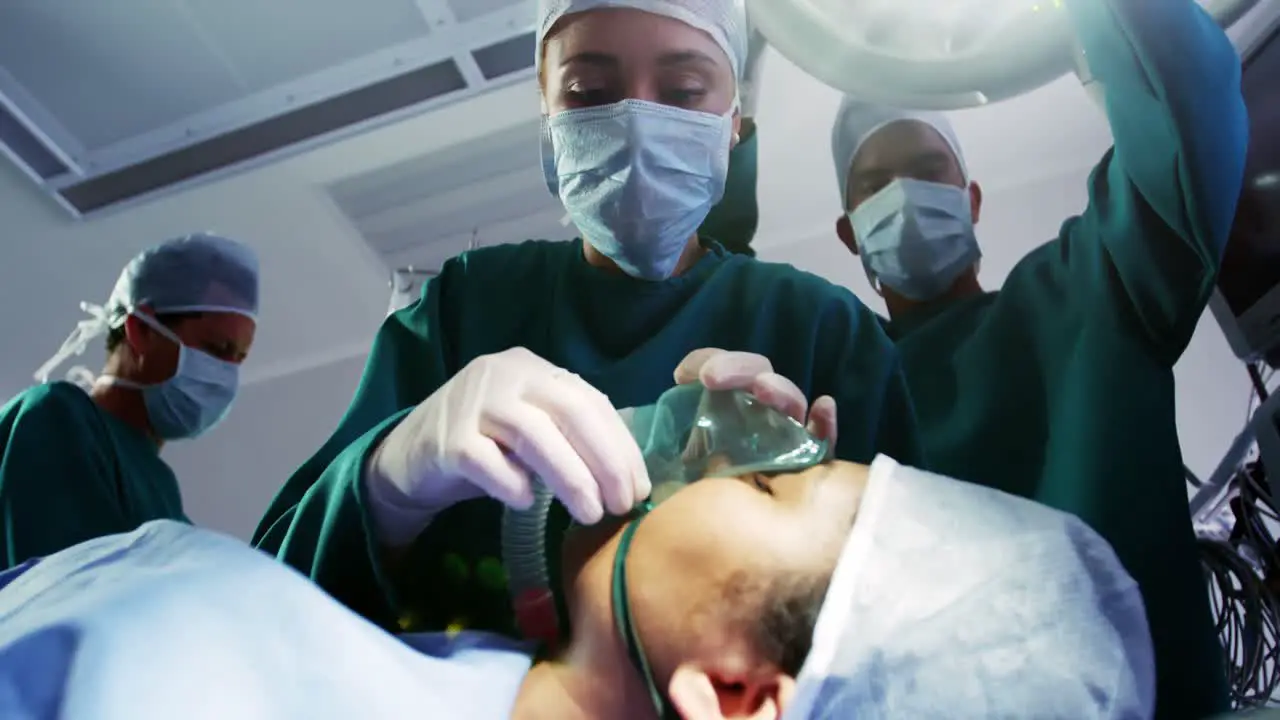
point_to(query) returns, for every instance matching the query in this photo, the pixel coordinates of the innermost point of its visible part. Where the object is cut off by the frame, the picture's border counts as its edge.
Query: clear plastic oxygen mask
(689, 434)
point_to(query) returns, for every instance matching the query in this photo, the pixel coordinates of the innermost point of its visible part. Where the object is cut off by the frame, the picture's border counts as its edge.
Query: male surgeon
(76, 465)
(1059, 386)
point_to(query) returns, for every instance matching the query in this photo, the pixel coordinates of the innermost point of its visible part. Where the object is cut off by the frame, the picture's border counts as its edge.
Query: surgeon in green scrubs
(77, 463)
(1059, 386)
(640, 103)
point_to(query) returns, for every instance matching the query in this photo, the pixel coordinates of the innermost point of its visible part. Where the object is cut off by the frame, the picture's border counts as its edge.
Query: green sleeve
(317, 522)
(732, 222)
(328, 534)
(1163, 199)
(57, 487)
(859, 366)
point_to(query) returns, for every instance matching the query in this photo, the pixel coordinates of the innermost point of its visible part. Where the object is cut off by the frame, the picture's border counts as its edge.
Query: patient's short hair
(779, 614)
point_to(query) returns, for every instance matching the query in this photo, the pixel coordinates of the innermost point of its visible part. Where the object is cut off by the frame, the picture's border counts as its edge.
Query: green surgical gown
(734, 219)
(70, 471)
(1060, 387)
(622, 335)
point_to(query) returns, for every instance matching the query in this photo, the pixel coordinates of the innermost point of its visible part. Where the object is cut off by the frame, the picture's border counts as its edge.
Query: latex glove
(487, 431)
(731, 370)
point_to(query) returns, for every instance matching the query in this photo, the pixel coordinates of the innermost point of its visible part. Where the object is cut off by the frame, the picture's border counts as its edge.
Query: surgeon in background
(1059, 386)
(76, 465)
(512, 363)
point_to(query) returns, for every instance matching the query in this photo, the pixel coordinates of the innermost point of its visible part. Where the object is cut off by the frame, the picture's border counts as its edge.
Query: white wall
(230, 475)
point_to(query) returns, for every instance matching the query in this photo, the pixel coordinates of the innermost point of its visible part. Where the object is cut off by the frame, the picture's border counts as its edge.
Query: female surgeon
(512, 362)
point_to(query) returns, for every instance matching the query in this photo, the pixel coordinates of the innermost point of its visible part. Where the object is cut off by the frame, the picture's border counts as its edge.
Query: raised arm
(1162, 200)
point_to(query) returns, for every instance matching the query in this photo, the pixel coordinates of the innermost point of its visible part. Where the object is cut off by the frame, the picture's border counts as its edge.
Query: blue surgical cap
(856, 121)
(197, 273)
(956, 600)
(724, 20)
(201, 272)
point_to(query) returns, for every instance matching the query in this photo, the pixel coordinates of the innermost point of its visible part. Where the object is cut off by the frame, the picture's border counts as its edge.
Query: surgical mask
(637, 178)
(195, 399)
(916, 237)
(689, 434)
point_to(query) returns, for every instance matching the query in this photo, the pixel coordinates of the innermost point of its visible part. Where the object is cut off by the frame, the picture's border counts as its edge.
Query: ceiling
(116, 91)
(426, 209)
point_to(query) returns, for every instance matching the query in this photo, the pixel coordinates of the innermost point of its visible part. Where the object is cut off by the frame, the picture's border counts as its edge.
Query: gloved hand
(730, 370)
(488, 430)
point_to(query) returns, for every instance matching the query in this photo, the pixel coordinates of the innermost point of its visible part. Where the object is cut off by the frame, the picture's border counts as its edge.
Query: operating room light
(933, 54)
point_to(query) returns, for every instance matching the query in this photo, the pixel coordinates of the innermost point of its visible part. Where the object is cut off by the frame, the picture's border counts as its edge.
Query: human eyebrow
(685, 57)
(864, 176)
(931, 161)
(592, 58)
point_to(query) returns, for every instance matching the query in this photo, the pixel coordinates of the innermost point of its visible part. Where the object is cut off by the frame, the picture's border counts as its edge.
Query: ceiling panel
(430, 256)
(468, 10)
(425, 176)
(507, 197)
(426, 209)
(120, 68)
(91, 89)
(266, 43)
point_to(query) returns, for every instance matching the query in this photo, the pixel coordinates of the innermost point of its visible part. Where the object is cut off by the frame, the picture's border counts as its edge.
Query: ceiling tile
(110, 71)
(468, 10)
(269, 43)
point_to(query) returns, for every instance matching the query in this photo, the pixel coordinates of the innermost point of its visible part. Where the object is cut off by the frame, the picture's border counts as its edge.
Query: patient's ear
(701, 695)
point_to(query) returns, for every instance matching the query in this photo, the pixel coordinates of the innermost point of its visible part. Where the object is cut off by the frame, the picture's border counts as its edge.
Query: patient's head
(726, 577)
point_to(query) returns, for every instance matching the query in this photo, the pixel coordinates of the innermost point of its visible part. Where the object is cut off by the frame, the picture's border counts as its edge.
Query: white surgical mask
(196, 398)
(916, 237)
(637, 178)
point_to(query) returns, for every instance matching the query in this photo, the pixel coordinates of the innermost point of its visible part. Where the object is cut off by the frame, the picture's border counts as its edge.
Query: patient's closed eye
(761, 483)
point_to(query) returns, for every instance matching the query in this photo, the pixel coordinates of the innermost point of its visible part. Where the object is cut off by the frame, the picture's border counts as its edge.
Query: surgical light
(934, 54)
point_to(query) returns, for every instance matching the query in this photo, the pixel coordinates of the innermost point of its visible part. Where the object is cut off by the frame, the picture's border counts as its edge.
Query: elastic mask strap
(164, 332)
(626, 628)
(155, 325)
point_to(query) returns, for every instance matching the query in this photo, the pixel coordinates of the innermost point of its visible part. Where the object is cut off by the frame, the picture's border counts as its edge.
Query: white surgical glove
(732, 370)
(487, 431)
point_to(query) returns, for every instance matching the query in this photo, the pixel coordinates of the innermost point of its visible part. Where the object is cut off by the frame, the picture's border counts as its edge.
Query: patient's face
(757, 522)
(704, 561)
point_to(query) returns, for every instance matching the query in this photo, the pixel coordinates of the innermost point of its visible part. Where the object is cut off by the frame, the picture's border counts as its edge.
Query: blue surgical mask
(195, 399)
(916, 237)
(637, 178)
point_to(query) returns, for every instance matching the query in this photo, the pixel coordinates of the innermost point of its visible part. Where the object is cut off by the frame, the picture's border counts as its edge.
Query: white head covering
(957, 601)
(857, 121)
(724, 20)
(201, 272)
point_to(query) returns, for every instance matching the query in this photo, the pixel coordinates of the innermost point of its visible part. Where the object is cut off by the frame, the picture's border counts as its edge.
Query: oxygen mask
(689, 434)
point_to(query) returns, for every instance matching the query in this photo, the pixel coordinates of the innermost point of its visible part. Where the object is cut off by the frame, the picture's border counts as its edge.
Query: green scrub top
(70, 472)
(1060, 387)
(625, 337)
(734, 219)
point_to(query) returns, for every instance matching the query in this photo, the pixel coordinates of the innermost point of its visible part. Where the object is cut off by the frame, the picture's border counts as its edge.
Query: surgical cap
(196, 273)
(954, 600)
(201, 272)
(724, 20)
(857, 121)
